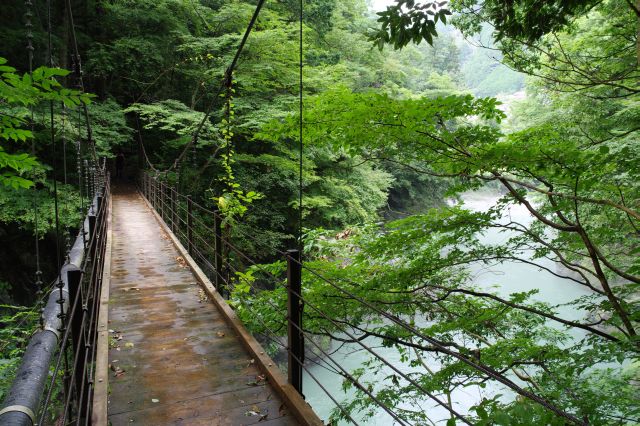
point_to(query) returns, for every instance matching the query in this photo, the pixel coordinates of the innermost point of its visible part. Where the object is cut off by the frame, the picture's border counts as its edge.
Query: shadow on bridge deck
(173, 358)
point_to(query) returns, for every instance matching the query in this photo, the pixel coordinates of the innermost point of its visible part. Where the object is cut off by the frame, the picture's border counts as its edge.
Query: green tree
(18, 93)
(567, 157)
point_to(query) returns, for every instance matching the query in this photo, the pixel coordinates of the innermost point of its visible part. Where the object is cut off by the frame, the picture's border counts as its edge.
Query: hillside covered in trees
(402, 124)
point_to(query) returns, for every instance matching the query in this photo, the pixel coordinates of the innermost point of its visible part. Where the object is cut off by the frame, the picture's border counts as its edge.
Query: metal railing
(200, 231)
(55, 378)
(210, 244)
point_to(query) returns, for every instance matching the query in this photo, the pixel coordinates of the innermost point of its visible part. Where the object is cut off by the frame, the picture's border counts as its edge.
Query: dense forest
(409, 108)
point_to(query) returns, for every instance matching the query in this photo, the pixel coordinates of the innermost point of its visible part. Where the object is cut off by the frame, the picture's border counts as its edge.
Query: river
(505, 278)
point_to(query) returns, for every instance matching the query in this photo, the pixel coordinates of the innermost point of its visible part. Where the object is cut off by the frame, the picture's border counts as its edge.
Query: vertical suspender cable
(300, 243)
(53, 142)
(79, 165)
(64, 142)
(61, 299)
(65, 209)
(294, 281)
(30, 49)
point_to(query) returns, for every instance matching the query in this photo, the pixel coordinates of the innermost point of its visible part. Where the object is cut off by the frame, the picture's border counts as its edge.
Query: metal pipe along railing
(68, 314)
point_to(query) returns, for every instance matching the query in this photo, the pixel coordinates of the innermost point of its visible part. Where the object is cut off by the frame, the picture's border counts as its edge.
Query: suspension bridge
(135, 327)
(145, 336)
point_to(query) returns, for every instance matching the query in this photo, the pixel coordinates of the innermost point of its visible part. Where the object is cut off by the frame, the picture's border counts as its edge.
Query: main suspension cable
(223, 84)
(79, 71)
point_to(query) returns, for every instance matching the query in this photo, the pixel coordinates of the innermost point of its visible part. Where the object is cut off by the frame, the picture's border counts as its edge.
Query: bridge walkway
(173, 358)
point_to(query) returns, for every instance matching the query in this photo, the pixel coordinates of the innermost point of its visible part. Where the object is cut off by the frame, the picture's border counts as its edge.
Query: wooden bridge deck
(173, 359)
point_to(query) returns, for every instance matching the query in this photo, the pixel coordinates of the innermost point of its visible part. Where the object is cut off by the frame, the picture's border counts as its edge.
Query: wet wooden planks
(173, 359)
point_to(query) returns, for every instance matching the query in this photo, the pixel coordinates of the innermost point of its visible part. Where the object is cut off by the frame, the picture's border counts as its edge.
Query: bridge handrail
(214, 260)
(196, 234)
(70, 314)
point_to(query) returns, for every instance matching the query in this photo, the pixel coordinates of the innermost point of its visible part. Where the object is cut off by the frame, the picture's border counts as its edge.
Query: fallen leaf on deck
(182, 262)
(116, 370)
(202, 296)
(259, 381)
(255, 411)
(128, 345)
(220, 334)
(155, 400)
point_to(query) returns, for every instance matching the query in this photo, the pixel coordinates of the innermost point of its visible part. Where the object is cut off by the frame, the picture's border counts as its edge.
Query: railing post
(162, 200)
(217, 229)
(190, 225)
(153, 192)
(294, 325)
(74, 281)
(93, 227)
(99, 199)
(174, 209)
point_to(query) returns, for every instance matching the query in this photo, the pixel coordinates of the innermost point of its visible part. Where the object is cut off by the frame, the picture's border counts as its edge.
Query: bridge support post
(174, 209)
(190, 225)
(163, 201)
(166, 202)
(99, 199)
(152, 192)
(294, 325)
(155, 193)
(217, 229)
(92, 216)
(78, 337)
